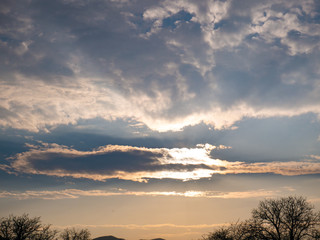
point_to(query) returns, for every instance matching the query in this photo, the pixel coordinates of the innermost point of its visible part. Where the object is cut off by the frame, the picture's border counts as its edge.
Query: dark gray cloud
(112, 161)
(141, 164)
(107, 162)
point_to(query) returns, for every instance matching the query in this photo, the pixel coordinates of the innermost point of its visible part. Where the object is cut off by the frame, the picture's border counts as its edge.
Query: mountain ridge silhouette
(115, 238)
(108, 238)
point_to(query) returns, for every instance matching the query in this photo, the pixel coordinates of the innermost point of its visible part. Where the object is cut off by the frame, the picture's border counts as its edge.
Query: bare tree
(45, 233)
(6, 228)
(223, 233)
(24, 228)
(289, 218)
(73, 234)
(246, 230)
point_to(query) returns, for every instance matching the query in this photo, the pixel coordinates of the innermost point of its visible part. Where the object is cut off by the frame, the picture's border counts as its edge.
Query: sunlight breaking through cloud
(141, 164)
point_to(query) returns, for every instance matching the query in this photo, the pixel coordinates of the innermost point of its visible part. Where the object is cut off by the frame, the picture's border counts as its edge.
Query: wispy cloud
(313, 158)
(76, 193)
(146, 226)
(290, 168)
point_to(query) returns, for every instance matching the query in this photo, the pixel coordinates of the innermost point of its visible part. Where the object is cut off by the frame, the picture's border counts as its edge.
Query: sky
(157, 118)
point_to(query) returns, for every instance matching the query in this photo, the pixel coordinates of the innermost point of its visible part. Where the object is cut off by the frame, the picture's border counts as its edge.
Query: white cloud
(35, 106)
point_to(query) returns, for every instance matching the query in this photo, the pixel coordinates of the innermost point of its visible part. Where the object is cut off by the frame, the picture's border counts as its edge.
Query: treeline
(288, 218)
(28, 228)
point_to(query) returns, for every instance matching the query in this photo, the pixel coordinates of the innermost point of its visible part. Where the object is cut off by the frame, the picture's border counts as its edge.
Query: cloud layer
(141, 164)
(165, 64)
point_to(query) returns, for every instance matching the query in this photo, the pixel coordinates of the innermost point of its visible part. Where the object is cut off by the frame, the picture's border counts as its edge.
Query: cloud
(141, 164)
(76, 193)
(290, 168)
(313, 158)
(149, 226)
(163, 64)
(4, 167)
(115, 161)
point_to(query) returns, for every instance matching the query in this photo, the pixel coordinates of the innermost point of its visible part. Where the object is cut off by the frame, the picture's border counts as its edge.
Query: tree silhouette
(73, 234)
(287, 218)
(25, 228)
(46, 233)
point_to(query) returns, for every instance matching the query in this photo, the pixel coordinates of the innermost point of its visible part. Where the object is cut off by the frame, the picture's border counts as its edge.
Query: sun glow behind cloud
(141, 164)
(183, 164)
